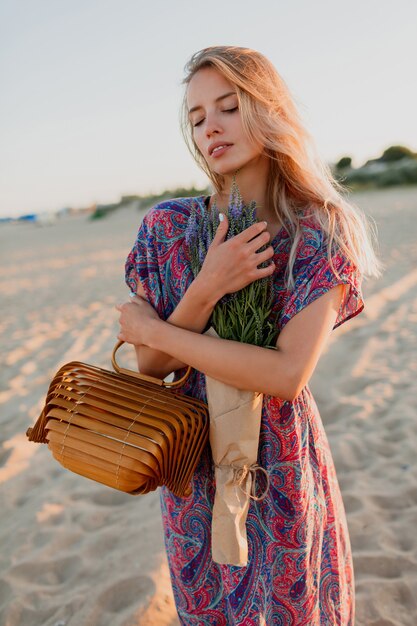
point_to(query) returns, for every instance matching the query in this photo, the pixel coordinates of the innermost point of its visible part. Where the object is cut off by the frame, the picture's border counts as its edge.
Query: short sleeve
(314, 277)
(142, 265)
(157, 259)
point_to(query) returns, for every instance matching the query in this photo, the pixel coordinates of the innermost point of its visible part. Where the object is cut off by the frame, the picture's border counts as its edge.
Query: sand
(75, 553)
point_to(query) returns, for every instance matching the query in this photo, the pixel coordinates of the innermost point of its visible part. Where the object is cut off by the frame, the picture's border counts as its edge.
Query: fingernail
(266, 223)
(221, 217)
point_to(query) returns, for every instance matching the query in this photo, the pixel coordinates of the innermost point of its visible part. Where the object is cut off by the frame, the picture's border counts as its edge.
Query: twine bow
(239, 476)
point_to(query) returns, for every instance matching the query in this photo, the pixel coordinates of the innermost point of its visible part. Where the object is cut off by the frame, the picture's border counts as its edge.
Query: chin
(228, 170)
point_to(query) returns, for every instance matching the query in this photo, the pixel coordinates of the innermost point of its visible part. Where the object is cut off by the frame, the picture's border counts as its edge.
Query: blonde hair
(299, 186)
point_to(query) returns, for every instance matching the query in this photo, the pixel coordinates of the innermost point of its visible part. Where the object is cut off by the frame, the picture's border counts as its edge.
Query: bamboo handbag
(123, 429)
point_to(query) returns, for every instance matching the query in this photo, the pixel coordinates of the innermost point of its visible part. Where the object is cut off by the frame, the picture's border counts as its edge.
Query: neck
(252, 182)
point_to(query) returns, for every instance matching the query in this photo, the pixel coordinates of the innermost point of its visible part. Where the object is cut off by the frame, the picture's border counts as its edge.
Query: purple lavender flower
(243, 315)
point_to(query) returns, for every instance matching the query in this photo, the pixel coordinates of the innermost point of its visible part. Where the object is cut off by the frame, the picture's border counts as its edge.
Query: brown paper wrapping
(235, 421)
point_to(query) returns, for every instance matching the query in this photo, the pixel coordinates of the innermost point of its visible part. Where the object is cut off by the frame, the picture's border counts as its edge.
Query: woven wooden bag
(123, 429)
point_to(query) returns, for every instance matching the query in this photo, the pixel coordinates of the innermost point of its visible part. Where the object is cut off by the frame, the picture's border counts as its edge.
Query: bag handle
(151, 379)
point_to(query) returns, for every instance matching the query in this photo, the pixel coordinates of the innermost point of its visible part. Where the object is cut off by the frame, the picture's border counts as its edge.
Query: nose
(212, 125)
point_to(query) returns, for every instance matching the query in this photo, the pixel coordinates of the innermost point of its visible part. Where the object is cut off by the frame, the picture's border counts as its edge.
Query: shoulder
(174, 210)
(314, 255)
(311, 244)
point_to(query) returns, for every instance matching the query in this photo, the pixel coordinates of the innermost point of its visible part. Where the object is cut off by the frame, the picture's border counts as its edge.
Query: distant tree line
(144, 202)
(178, 192)
(396, 166)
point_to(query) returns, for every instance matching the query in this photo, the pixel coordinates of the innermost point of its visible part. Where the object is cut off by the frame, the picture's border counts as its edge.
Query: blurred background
(90, 139)
(91, 89)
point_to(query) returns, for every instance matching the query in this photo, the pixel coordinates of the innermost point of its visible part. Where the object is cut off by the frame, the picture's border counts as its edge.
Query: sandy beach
(76, 553)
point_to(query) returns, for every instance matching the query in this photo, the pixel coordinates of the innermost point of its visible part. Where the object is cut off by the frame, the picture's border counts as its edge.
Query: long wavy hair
(300, 185)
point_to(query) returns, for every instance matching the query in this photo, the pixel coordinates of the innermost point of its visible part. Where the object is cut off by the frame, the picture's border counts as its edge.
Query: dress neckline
(274, 240)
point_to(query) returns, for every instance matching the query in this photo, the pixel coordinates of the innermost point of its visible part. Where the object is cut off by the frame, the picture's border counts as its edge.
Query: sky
(91, 89)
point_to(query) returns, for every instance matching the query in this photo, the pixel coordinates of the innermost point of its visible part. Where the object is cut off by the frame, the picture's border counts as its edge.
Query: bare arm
(192, 313)
(283, 372)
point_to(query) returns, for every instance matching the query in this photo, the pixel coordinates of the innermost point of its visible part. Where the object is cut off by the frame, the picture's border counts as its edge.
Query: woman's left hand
(134, 320)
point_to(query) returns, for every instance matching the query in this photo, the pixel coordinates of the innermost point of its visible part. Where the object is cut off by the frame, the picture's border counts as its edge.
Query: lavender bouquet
(235, 414)
(242, 315)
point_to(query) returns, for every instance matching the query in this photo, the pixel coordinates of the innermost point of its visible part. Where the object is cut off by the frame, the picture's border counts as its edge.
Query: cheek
(235, 124)
(198, 142)
(251, 148)
(245, 144)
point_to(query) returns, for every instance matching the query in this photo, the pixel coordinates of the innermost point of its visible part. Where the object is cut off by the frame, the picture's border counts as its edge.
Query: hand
(231, 265)
(135, 318)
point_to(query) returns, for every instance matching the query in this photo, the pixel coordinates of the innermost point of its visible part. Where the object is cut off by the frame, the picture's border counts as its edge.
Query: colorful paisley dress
(299, 570)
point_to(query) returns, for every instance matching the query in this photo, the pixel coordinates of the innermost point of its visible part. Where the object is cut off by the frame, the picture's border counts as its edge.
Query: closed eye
(225, 111)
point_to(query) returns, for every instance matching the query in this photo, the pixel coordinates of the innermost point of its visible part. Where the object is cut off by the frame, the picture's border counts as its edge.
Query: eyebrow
(225, 95)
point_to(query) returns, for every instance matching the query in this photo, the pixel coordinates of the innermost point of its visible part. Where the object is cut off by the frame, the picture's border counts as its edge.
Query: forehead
(205, 86)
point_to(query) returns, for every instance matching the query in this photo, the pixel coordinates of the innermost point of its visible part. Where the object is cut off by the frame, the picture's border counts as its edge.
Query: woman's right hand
(233, 264)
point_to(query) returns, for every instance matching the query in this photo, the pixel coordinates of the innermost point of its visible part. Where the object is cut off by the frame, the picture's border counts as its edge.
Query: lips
(217, 145)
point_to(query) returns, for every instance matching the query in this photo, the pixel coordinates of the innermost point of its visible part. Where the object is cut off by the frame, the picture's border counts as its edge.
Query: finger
(266, 271)
(252, 231)
(221, 231)
(263, 257)
(134, 296)
(258, 242)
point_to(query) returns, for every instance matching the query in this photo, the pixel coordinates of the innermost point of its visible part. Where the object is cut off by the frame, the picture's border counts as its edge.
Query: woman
(239, 119)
